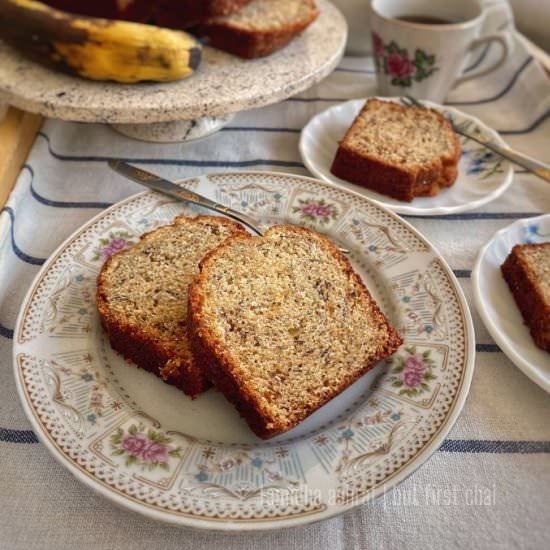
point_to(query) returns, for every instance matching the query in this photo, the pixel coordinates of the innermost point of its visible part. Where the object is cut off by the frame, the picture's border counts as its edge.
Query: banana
(99, 49)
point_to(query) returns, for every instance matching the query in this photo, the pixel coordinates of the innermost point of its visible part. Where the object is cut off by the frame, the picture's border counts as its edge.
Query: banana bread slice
(527, 272)
(181, 14)
(281, 324)
(142, 297)
(402, 152)
(260, 28)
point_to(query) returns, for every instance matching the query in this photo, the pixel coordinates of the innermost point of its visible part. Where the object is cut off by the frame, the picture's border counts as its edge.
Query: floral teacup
(421, 46)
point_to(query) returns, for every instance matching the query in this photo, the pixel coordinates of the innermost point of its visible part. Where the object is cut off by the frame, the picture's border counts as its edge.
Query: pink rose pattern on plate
(316, 210)
(413, 372)
(395, 61)
(150, 449)
(118, 240)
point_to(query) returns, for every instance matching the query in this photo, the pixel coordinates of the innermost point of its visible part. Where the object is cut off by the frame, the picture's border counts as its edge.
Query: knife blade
(152, 181)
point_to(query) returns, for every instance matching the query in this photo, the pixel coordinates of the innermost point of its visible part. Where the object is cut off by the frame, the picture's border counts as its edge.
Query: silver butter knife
(174, 190)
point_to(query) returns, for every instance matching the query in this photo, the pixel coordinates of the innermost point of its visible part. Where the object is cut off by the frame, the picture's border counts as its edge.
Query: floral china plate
(482, 175)
(497, 306)
(146, 446)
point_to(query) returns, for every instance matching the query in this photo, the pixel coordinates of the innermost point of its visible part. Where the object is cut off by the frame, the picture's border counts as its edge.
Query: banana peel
(98, 49)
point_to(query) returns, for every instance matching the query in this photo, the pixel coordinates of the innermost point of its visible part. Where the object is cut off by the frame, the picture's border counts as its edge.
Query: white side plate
(497, 306)
(482, 175)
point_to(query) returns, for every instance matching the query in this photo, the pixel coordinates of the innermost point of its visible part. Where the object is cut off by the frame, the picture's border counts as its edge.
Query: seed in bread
(260, 28)
(282, 324)
(527, 272)
(142, 297)
(402, 152)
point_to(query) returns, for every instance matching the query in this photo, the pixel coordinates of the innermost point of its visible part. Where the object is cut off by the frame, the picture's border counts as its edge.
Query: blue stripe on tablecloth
(320, 99)
(259, 129)
(494, 446)
(60, 204)
(27, 258)
(530, 128)
(449, 445)
(6, 332)
(17, 436)
(175, 162)
(479, 216)
(503, 92)
(462, 273)
(487, 348)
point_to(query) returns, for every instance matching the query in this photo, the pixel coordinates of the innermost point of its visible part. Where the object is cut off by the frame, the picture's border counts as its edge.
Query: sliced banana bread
(281, 324)
(142, 297)
(260, 28)
(527, 272)
(182, 14)
(402, 152)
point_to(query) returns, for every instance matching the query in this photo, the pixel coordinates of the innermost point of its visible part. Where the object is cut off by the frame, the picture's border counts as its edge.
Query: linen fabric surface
(489, 483)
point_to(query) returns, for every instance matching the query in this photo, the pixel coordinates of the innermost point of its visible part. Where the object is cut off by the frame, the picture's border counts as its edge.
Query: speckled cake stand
(184, 110)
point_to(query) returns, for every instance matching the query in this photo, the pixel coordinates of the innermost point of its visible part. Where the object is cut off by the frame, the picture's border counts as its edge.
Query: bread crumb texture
(142, 291)
(406, 136)
(293, 320)
(268, 15)
(537, 261)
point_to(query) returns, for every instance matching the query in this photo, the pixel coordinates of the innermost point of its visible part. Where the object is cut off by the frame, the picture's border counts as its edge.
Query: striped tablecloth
(487, 486)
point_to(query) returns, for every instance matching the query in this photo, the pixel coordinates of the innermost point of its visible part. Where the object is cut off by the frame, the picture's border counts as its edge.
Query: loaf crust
(249, 41)
(402, 182)
(182, 14)
(148, 348)
(531, 289)
(219, 361)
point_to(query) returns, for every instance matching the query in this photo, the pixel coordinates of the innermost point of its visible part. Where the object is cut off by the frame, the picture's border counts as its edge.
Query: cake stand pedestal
(175, 130)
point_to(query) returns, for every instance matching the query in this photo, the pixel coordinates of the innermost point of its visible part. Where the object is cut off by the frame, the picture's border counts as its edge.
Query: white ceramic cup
(425, 60)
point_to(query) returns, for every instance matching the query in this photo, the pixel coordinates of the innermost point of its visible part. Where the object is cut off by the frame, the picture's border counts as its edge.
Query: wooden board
(17, 132)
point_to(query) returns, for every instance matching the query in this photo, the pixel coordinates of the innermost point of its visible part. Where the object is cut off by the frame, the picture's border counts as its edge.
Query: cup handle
(498, 63)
